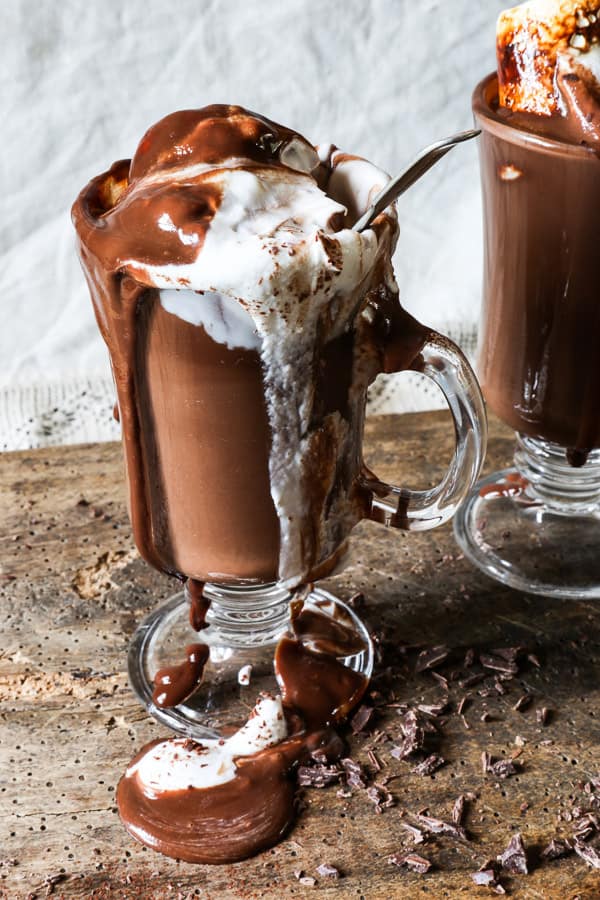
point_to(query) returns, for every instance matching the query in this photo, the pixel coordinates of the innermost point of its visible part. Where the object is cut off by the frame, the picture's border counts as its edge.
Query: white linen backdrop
(80, 82)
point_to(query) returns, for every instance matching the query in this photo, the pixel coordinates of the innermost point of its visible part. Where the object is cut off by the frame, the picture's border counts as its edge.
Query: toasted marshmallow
(533, 41)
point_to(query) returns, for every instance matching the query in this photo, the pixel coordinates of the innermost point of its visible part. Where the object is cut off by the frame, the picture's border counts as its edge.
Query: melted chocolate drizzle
(250, 813)
(174, 684)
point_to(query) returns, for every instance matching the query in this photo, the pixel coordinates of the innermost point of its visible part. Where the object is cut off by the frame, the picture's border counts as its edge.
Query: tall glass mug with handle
(245, 321)
(536, 526)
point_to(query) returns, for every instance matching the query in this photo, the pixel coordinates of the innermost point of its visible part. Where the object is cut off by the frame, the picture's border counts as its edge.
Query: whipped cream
(538, 40)
(245, 229)
(279, 262)
(178, 764)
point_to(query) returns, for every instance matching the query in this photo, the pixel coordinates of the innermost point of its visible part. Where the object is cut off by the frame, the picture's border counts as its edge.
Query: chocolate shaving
(319, 776)
(514, 860)
(501, 768)
(487, 876)
(543, 715)
(417, 835)
(433, 709)
(361, 718)
(327, 871)
(355, 774)
(523, 702)
(498, 663)
(412, 861)
(374, 761)
(429, 765)
(472, 680)
(431, 658)
(588, 854)
(380, 796)
(437, 826)
(458, 810)
(557, 848)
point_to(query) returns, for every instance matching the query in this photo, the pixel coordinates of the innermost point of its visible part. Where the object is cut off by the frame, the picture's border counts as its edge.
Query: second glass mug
(206, 474)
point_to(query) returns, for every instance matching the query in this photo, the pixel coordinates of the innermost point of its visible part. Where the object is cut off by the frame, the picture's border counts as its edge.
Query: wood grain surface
(72, 590)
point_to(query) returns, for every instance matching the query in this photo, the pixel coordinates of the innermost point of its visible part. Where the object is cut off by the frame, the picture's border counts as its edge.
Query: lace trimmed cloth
(81, 410)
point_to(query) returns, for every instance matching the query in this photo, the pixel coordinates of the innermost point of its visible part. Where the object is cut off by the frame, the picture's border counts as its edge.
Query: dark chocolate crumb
(431, 658)
(412, 861)
(587, 854)
(514, 860)
(355, 774)
(429, 765)
(327, 871)
(523, 702)
(362, 718)
(557, 848)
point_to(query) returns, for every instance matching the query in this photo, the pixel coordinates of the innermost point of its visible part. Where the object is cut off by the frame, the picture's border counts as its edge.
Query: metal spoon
(397, 186)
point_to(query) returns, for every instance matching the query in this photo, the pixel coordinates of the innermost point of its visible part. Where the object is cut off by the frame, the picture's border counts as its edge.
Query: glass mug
(202, 458)
(536, 526)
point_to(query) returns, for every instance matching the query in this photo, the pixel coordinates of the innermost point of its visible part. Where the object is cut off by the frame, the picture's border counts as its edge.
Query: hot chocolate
(245, 320)
(540, 121)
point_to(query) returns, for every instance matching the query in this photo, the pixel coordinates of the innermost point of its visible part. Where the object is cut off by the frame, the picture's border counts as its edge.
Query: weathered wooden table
(72, 589)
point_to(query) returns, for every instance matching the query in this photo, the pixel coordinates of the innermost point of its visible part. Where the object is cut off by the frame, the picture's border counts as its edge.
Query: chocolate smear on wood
(514, 859)
(412, 861)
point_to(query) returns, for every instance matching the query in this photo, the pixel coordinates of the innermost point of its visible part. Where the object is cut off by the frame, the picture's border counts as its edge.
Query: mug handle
(442, 361)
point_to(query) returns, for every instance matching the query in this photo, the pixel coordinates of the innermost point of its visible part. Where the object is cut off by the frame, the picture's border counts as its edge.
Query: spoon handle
(397, 186)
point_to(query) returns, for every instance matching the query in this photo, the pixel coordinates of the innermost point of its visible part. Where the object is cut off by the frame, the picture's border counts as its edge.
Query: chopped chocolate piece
(431, 658)
(374, 761)
(437, 826)
(585, 827)
(498, 663)
(534, 660)
(513, 859)
(472, 680)
(499, 687)
(327, 871)
(355, 774)
(523, 702)
(357, 601)
(458, 810)
(504, 768)
(543, 715)
(417, 835)
(557, 848)
(380, 796)
(487, 876)
(433, 709)
(440, 679)
(307, 881)
(588, 854)
(429, 765)
(469, 658)
(412, 861)
(501, 768)
(362, 718)
(461, 704)
(319, 776)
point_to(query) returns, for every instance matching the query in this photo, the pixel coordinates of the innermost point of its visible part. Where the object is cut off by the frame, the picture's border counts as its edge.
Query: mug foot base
(522, 543)
(234, 675)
